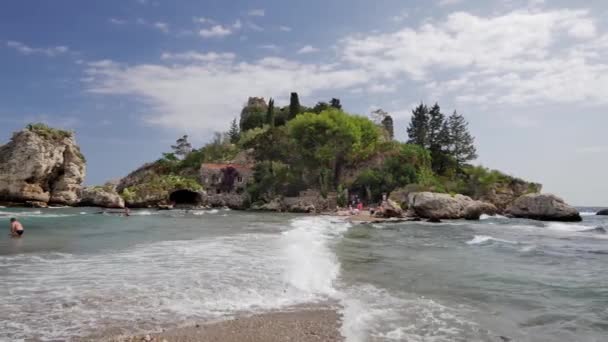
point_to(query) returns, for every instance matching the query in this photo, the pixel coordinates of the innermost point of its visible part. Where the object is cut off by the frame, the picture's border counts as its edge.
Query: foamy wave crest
(486, 217)
(566, 227)
(33, 214)
(373, 314)
(482, 239)
(63, 296)
(311, 266)
(587, 213)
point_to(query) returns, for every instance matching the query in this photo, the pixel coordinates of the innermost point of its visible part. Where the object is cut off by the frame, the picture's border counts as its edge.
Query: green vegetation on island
(295, 148)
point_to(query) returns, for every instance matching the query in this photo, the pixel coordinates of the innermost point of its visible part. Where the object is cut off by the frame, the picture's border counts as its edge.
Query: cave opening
(185, 197)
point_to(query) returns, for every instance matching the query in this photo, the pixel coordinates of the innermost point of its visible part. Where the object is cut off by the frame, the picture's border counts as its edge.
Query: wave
(169, 282)
(486, 217)
(33, 214)
(373, 314)
(482, 239)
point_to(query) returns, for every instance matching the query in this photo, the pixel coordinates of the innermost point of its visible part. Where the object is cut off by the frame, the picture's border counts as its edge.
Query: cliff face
(41, 164)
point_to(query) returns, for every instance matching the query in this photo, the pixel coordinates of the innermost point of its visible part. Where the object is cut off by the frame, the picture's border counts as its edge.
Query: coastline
(308, 324)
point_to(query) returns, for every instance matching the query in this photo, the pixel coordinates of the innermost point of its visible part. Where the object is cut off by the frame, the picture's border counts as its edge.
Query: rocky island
(291, 159)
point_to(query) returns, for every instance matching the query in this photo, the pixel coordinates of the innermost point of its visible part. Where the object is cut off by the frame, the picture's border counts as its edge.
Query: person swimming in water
(16, 228)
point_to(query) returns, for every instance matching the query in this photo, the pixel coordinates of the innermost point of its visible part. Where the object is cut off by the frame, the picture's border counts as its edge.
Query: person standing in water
(16, 228)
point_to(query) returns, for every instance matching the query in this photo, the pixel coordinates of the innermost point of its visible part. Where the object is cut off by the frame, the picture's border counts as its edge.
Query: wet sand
(302, 326)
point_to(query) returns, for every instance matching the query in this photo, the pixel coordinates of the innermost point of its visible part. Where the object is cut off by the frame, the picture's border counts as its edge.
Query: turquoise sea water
(77, 273)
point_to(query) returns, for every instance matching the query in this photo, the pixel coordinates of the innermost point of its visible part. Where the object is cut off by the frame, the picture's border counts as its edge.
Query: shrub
(48, 132)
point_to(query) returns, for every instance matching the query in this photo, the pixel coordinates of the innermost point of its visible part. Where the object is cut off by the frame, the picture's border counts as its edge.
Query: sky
(130, 76)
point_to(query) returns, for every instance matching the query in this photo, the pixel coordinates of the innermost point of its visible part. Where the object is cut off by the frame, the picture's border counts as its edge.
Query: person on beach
(16, 228)
(127, 211)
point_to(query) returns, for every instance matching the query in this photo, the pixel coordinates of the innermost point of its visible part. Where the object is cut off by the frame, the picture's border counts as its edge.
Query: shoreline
(302, 324)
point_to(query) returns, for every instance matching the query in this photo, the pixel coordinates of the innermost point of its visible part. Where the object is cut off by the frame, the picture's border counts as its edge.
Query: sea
(78, 273)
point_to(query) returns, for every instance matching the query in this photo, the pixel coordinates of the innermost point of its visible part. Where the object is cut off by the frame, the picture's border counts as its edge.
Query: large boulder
(603, 212)
(445, 206)
(41, 164)
(477, 208)
(544, 207)
(438, 206)
(389, 209)
(104, 197)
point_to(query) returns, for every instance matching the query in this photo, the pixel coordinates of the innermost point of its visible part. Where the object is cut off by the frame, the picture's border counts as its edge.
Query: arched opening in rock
(185, 197)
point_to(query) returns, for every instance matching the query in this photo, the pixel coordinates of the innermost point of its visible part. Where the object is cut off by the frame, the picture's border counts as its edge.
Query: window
(239, 179)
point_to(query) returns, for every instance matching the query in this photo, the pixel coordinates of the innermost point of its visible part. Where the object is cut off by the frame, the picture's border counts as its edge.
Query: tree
(419, 126)
(378, 115)
(462, 147)
(234, 132)
(335, 103)
(294, 106)
(182, 147)
(436, 120)
(270, 113)
(320, 107)
(332, 139)
(253, 114)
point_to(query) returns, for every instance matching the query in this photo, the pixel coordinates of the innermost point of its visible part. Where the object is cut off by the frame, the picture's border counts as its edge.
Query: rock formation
(503, 195)
(105, 197)
(389, 209)
(544, 207)
(603, 212)
(445, 206)
(41, 164)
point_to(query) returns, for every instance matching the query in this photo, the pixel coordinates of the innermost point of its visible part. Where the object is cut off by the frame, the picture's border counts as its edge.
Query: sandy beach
(304, 325)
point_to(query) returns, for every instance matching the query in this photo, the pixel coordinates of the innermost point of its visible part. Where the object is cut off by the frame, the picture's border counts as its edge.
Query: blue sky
(130, 76)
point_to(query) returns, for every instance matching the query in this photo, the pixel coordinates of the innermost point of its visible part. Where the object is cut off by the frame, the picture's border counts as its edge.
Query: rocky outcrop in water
(603, 212)
(502, 195)
(104, 197)
(543, 207)
(389, 209)
(41, 164)
(445, 206)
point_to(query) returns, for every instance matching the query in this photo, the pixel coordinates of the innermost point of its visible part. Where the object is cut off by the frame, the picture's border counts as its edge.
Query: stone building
(218, 178)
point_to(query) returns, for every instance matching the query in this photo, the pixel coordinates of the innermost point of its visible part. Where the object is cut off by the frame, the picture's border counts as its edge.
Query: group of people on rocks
(355, 206)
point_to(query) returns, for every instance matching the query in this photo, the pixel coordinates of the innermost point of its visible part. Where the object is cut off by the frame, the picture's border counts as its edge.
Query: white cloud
(285, 28)
(28, 50)
(161, 26)
(377, 88)
(187, 97)
(444, 3)
(204, 20)
(255, 27)
(308, 49)
(215, 31)
(400, 17)
(117, 21)
(518, 57)
(256, 12)
(272, 47)
(237, 24)
(200, 57)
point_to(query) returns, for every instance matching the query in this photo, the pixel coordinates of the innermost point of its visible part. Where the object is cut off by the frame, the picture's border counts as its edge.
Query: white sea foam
(588, 213)
(59, 296)
(33, 214)
(486, 217)
(482, 239)
(373, 314)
